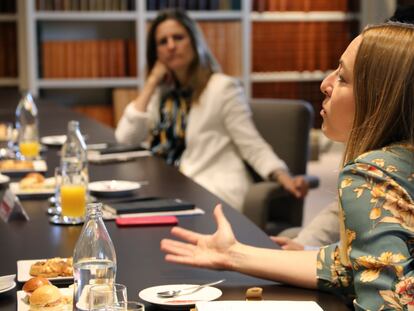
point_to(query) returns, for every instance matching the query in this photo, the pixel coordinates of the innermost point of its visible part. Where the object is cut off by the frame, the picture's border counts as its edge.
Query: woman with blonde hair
(197, 118)
(369, 105)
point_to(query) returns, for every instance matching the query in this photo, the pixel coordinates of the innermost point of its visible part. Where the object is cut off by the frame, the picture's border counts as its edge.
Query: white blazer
(220, 134)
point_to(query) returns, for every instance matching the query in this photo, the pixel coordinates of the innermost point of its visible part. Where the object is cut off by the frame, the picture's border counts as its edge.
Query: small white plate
(4, 179)
(6, 281)
(113, 187)
(55, 140)
(205, 294)
(23, 271)
(12, 285)
(23, 304)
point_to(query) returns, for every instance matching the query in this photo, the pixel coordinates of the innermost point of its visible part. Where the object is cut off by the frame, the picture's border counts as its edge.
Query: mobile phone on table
(146, 221)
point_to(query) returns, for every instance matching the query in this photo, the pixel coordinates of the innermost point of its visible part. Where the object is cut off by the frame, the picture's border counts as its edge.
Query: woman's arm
(157, 75)
(222, 251)
(142, 113)
(376, 197)
(253, 148)
(296, 185)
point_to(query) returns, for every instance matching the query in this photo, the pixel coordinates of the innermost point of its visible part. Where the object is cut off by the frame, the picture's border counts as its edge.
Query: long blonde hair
(383, 89)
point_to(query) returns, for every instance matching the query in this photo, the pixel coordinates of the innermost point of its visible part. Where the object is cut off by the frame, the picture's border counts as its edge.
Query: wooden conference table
(140, 262)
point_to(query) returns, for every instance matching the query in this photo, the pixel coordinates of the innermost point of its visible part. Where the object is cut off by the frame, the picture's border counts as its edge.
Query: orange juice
(73, 200)
(29, 149)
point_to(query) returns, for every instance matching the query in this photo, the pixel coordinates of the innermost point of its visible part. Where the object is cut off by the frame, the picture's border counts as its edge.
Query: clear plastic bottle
(74, 152)
(27, 125)
(94, 258)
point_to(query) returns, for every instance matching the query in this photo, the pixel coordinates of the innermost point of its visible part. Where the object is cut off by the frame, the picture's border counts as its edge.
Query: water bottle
(94, 258)
(74, 153)
(27, 125)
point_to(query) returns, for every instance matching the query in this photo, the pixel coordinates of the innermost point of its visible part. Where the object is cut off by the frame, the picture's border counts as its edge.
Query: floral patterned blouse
(373, 264)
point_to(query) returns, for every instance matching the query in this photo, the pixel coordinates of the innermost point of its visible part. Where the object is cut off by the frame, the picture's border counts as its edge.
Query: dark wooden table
(140, 262)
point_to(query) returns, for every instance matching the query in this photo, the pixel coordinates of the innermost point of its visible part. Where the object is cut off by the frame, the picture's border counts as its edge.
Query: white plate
(13, 285)
(38, 166)
(6, 281)
(4, 179)
(23, 305)
(205, 294)
(55, 140)
(36, 192)
(23, 271)
(108, 187)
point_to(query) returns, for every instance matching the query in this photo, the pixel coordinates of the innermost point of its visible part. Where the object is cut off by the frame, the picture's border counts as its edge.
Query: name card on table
(10, 207)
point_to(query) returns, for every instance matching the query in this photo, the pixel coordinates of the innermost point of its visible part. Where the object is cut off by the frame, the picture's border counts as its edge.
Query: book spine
(70, 59)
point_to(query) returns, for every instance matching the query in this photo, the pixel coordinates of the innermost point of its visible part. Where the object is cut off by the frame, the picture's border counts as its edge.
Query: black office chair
(285, 125)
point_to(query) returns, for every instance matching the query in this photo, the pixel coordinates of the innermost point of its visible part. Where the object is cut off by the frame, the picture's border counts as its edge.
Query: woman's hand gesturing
(202, 250)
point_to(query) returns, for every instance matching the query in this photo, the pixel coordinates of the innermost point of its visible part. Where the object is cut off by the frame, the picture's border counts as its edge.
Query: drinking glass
(29, 146)
(29, 149)
(70, 196)
(7, 140)
(103, 295)
(73, 192)
(127, 305)
(55, 209)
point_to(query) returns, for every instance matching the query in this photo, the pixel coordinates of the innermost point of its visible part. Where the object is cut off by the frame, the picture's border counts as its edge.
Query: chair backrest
(285, 124)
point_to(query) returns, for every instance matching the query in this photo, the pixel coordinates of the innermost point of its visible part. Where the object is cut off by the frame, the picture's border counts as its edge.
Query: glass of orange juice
(29, 149)
(73, 193)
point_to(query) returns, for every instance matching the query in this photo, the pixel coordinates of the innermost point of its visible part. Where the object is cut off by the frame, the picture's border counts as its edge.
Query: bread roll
(46, 297)
(32, 181)
(34, 283)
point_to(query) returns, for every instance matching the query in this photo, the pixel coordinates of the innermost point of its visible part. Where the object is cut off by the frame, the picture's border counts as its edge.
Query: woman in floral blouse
(369, 105)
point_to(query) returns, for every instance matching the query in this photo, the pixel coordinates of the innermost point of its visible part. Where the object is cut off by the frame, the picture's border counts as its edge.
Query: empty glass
(7, 140)
(104, 295)
(128, 305)
(55, 200)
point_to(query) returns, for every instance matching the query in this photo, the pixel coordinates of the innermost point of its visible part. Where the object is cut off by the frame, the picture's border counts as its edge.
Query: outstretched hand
(202, 250)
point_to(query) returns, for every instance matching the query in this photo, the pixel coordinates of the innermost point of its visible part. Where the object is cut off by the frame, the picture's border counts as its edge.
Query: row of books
(8, 50)
(88, 59)
(194, 5)
(309, 91)
(300, 46)
(8, 6)
(118, 58)
(85, 5)
(224, 40)
(306, 5)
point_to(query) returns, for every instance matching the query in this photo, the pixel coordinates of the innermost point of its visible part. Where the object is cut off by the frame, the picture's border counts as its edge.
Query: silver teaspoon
(188, 290)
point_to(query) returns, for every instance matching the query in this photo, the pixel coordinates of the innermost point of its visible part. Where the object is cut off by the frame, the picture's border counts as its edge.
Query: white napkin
(96, 157)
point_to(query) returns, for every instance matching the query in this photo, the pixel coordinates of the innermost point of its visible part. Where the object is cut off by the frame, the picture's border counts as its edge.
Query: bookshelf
(9, 75)
(45, 40)
(254, 40)
(306, 39)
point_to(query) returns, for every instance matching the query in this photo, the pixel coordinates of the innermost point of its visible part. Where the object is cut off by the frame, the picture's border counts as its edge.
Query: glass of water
(104, 295)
